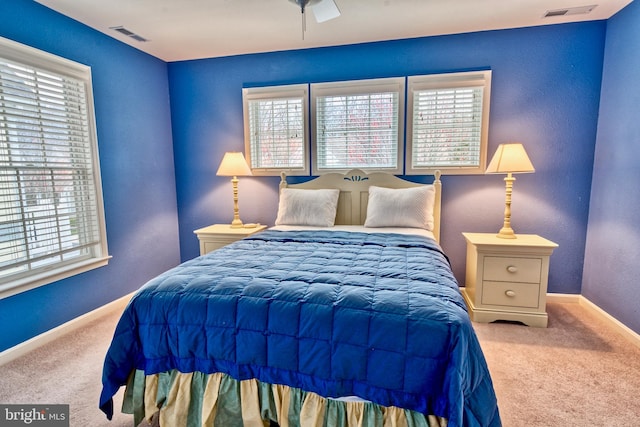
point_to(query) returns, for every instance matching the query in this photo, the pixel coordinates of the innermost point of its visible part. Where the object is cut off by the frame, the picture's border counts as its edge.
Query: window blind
(357, 131)
(448, 122)
(276, 131)
(49, 205)
(447, 125)
(357, 125)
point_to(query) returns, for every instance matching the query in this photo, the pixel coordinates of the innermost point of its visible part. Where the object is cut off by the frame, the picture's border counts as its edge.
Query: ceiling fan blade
(325, 10)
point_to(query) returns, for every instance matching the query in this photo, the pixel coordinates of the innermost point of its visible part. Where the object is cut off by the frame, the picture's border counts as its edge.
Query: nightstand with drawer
(218, 235)
(506, 279)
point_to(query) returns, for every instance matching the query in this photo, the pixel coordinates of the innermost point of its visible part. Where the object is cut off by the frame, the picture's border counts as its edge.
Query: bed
(346, 313)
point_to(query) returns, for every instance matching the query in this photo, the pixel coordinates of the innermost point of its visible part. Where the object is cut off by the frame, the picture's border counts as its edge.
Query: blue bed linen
(377, 316)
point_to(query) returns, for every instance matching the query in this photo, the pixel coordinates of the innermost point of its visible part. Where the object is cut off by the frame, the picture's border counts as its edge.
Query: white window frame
(298, 92)
(475, 79)
(95, 252)
(359, 87)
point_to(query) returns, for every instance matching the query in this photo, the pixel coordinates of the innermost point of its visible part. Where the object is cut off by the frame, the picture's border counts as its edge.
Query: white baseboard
(612, 321)
(24, 347)
(567, 298)
(620, 327)
(617, 325)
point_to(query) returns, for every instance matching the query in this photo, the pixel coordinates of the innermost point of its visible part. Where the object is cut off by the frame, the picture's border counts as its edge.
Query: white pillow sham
(307, 207)
(401, 207)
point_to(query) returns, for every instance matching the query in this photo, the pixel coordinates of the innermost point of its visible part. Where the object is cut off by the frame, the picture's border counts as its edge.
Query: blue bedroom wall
(545, 94)
(611, 268)
(136, 155)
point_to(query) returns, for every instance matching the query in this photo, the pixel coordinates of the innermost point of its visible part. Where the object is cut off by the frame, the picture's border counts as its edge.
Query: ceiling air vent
(580, 10)
(128, 33)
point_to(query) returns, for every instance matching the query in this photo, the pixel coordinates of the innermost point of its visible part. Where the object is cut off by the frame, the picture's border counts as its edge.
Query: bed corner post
(436, 178)
(283, 181)
(438, 204)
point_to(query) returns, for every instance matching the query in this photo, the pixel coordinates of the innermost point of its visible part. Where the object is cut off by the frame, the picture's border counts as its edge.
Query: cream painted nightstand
(507, 278)
(218, 235)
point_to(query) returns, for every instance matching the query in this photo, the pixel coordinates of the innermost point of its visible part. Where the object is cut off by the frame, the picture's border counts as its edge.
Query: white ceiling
(193, 29)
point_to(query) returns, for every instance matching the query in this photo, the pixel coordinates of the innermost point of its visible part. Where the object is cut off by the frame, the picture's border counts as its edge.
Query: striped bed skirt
(195, 399)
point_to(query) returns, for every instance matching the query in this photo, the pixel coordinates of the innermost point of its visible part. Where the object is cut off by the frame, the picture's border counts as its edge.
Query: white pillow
(307, 207)
(401, 207)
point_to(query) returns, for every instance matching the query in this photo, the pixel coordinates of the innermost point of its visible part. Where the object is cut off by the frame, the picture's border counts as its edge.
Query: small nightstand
(218, 235)
(506, 279)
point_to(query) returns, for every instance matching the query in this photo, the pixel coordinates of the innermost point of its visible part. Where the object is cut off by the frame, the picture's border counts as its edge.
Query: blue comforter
(377, 316)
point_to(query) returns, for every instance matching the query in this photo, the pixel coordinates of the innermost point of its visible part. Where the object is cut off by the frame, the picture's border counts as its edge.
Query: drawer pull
(512, 269)
(510, 293)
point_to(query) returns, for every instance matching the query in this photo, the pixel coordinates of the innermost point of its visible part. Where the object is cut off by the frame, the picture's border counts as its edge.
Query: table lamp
(509, 159)
(233, 164)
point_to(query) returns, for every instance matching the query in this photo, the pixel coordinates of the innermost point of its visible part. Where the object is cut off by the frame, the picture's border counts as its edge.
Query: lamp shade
(233, 164)
(510, 158)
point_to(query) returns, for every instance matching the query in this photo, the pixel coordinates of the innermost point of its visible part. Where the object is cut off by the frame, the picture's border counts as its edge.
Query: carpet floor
(576, 372)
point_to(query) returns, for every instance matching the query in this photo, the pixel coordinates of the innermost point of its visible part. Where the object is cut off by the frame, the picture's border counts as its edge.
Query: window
(51, 215)
(275, 129)
(447, 122)
(361, 124)
(358, 124)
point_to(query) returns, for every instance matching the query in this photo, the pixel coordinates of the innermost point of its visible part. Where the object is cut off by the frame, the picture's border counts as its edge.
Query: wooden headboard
(354, 193)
